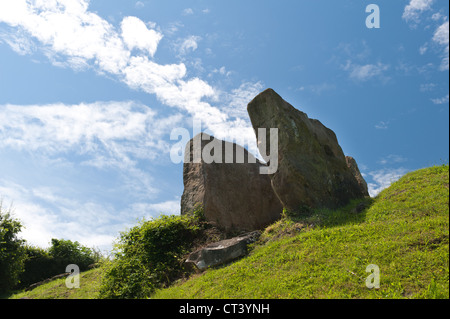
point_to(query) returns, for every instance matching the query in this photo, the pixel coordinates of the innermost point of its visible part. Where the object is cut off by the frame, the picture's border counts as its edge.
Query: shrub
(12, 252)
(150, 256)
(22, 265)
(39, 265)
(66, 252)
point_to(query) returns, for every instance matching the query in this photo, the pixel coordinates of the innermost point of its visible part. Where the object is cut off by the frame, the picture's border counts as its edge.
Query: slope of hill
(404, 231)
(90, 282)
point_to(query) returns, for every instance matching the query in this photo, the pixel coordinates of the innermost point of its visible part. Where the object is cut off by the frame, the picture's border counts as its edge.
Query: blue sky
(91, 90)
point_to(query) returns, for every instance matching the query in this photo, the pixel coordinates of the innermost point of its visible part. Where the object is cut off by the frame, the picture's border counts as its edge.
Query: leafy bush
(41, 263)
(150, 255)
(12, 253)
(66, 252)
(22, 265)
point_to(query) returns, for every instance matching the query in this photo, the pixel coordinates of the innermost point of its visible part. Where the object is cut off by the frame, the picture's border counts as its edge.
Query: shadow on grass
(353, 213)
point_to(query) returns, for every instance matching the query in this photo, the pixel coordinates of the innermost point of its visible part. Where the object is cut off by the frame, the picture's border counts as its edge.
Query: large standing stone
(312, 168)
(234, 196)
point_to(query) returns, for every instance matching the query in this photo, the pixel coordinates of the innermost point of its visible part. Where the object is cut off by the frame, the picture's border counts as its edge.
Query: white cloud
(415, 8)
(187, 45)
(236, 101)
(383, 178)
(392, 159)
(382, 125)
(437, 16)
(108, 136)
(427, 87)
(317, 89)
(139, 5)
(70, 35)
(441, 37)
(423, 49)
(113, 135)
(136, 35)
(58, 127)
(365, 72)
(442, 100)
(46, 214)
(412, 14)
(149, 210)
(67, 28)
(188, 11)
(18, 42)
(88, 223)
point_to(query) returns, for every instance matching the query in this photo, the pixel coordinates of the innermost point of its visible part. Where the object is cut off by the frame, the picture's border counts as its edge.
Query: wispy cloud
(188, 11)
(148, 210)
(71, 35)
(189, 44)
(442, 100)
(414, 9)
(383, 178)
(57, 128)
(356, 60)
(427, 87)
(414, 13)
(441, 37)
(317, 89)
(45, 214)
(84, 222)
(366, 72)
(392, 159)
(382, 125)
(113, 135)
(139, 5)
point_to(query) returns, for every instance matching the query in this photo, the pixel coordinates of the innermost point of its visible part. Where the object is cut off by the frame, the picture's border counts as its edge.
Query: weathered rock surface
(351, 163)
(234, 196)
(222, 252)
(312, 169)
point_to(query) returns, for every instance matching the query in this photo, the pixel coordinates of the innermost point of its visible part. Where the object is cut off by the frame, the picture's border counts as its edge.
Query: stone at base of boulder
(222, 252)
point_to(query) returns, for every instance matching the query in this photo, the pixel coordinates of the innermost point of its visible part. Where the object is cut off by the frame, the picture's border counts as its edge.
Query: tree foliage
(12, 252)
(150, 256)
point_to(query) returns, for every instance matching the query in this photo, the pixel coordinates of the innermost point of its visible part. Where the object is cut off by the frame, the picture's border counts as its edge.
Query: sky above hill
(90, 92)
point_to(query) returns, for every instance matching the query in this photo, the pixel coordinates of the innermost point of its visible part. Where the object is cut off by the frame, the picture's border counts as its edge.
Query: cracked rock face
(234, 196)
(312, 168)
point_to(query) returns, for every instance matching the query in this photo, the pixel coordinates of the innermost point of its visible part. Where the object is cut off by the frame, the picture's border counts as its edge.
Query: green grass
(404, 230)
(89, 288)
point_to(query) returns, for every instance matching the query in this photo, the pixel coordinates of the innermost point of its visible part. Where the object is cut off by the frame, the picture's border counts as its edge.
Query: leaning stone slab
(312, 168)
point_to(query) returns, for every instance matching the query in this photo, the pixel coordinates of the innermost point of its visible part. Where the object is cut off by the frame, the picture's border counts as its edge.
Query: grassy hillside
(404, 231)
(89, 287)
